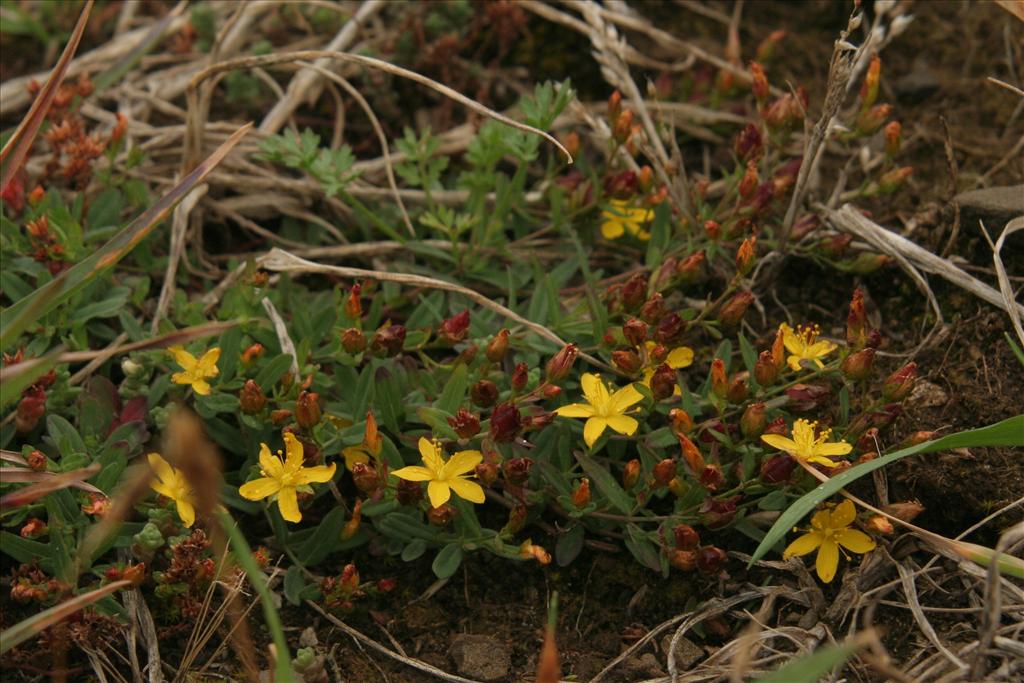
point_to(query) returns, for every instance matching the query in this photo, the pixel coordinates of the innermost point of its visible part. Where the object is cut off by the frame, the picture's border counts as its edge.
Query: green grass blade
(17, 317)
(811, 668)
(1009, 432)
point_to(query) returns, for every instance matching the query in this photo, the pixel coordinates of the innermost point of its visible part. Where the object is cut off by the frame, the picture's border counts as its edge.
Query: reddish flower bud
(715, 514)
(713, 229)
(251, 398)
(777, 468)
(252, 353)
(691, 269)
(623, 128)
(280, 416)
(892, 138)
(805, 398)
(745, 256)
(408, 492)
(710, 560)
(498, 347)
(712, 478)
(750, 181)
(516, 520)
(858, 365)
(307, 409)
(777, 426)
(869, 88)
(581, 494)
(631, 474)
(719, 380)
(892, 180)
(870, 120)
(634, 291)
(734, 310)
(571, 142)
(353, 341)
(645, 179)
(37, 461)
(34, 528)
(917, 438)
(353, 306)
(663, 382)
(749, 143)
(685, 560)
(520, 375)
(857, 322)
(551, 391)
(669, 329)
(388, 341)
(766, 50)
(561, 363)
(664, 472)
(898, 385)
(454, 329)
(765, 371)
(528, 550)
(738, 387)
(627, 361)
(486, 473)
(635, 331)
(754, 421)
(484, 393)
(538, 420)
(758, 82)
(614, 108)
(441, 516)
(691, 455)
(465, 424)
(517, 470)
(31, 408)
(868, 441)
(906, 511)
(653, 309)
(686, 537)
(680, 421)
(879, 525)
(505, 422)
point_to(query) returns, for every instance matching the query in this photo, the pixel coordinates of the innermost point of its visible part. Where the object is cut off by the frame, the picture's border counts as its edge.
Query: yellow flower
(677, 359)
(196, 372)
(829, 530)
(803, 344)
(285, 478)
(805, 446)
(622, 218)
(171, 483)
(445, 476)
(602, 409)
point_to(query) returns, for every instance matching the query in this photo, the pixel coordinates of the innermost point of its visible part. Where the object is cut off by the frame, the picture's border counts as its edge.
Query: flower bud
(857, 322)
(581, 494)
(691, 269)
(497, 347)
(719, 380)
(765, 371)
(712, 478)
(750, 181)
(614, 108)
(280, 416)
(251, 398)
(686, 537)
(713, 229)
(561, 363)
(484, 393)
(754, 421)
(388, 341)
(784, 114)
(869, 88)
(520, 375)
(906, 511)
(486, 473)
(663, 382)
(805, 398)
(710, 560)
(634, 291)
(31, 408)
(645, 179)
(669, 329)
(623, 128)
(34, 528)
(779, 350)
(307, 409)
(353, 306)
(631, 474)
(685, 560)
(680, 421)
(516, 520)
(892, 180)
(691, 455)
(528, 550)
(879, 525)
(766, 50)
(857, 366)
(465, 424)
(36, 461)
(454, 329)
(538, 420)
(749, 143)
(653, 309)
(777, 468)
(571, 142)
(892, 138)
(917, 438)
(870, 120)
(517, 470)
(351, 527)
(551, 391)
(365, 477)
(441, 516)
(408, 492)
(353, 341)
(136, 573)
(738, 387)
(715, 514)
(627, 361)
(635, 331)
(745, 256)
(758, 82)
(734, 310)
(664, 471)
(898, 385)
(505, 422)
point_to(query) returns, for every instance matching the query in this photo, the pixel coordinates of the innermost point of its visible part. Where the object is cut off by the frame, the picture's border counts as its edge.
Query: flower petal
(624, 398)
(294, 453)
(315, 475)
(183, 358)
(414, 473)
(161, 468)
(612, 228)
(843, 514)
(821, 460)
(258, 489)
(803, 545)
(186, 512)
(827, 561)
(623, 424)
(201, 387)
(593, 429)
(430, 452)
(855, 541)
(836, 448)
(594, 389)
(822, 520)
(575, 410)
(438, 492)
(460, 463)
(469, 490)
(354, 455)
(162, 489)
(288, 504)
(680, 357)
(271, 465)
(780, 442)
(182, 378)
(207, 364)
(794, 363)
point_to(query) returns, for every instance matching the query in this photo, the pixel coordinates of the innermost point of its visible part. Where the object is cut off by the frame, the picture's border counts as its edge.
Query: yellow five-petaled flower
(621, 218)
(803, 344)
(171, 482)
(285, 478)
(195, 372)
(806, 446)
(829, 530)
(603, 409)
(442, 476)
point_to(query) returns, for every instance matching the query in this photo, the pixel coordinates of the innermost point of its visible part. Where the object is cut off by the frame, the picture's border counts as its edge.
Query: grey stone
(927, 395)
(688, 653)
(480, 657)
(639, 668)
(996, 206)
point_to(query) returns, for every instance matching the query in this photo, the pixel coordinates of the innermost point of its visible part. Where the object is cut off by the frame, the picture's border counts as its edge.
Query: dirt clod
(687, 652)
(480, 657)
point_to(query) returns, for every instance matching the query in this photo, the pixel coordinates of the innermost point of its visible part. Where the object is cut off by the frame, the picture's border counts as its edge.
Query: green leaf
(447, 561)
(1009, 432)
(454, 390)
(414, 549)
(606, 484)
(569, 545)
(27, 551)
(324, 541)
(294, 583)
(645, 552)
(813, 667)
(273, 371)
